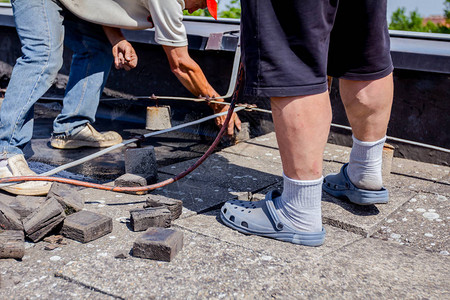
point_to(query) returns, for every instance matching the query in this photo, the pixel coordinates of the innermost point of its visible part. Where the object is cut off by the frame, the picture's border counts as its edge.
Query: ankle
(364, 168)
(300, 204)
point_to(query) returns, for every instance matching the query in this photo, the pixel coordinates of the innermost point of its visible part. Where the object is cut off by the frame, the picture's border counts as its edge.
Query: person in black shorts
(289, 48)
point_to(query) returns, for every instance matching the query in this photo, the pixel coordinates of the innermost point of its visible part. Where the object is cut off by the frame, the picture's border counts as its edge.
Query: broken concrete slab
(41, 222)
(68, 196)
(9, 219)
(12, 244)
(26, 205)
(142, 162)
(174, 206)
(158, 244)
(142, 219)
(130, 180)
(85, 226)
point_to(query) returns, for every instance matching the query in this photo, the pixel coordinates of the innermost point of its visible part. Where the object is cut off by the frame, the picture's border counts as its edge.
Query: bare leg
(368, 106)
(302, 125)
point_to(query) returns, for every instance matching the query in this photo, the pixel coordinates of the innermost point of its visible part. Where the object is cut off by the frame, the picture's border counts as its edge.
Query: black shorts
(289, 46)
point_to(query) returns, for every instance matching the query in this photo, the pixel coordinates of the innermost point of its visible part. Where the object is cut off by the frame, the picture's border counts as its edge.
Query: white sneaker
(17, 166)
(86, 137)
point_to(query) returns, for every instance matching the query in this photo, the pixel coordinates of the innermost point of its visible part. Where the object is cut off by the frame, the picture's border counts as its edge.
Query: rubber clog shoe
(260, 218)
(339, 186)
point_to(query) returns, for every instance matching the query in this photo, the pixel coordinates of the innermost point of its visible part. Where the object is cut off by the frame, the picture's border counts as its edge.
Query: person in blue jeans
(289, 48)
(43, 27)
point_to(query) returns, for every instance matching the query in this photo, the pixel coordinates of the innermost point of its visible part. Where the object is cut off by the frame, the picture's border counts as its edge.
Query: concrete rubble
(86, 226)
(12, 244)
(142, 162)
(173, 205)
(397, 250)
(158, 244)
(130, 180)
(67, 196)
(44, 220)
(142, 219)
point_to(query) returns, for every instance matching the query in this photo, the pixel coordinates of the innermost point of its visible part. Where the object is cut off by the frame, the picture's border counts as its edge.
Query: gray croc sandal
(340, 186)
(260, 218)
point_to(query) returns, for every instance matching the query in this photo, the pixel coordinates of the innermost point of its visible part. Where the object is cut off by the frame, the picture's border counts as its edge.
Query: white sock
(300, 203)
(364, 167)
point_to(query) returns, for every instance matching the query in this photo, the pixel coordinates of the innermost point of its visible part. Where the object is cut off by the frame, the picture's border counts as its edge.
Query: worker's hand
(234, 121)
(124, 55)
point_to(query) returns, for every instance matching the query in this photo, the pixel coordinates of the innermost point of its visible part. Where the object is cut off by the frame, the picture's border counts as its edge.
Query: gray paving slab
(232, 171)
(419, 169)
(422, 177)
(42, 284)
(421, 223)
(265, 148)
(217, 262)
(371, 269)
(363, 220)
(221, 177)
(209, 224)
(210, 267)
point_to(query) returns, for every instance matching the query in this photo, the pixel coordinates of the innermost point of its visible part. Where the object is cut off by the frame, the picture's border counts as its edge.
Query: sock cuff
(302, 182)
(302, 193)
(368, 144)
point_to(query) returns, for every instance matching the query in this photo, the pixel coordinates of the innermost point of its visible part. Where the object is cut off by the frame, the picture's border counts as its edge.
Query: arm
(191, 76)
(124, 55)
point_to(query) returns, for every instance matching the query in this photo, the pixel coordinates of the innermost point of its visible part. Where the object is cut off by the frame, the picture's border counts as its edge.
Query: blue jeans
(43, 26)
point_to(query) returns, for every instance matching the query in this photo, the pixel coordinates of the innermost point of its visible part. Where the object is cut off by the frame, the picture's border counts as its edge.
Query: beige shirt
(167, 16)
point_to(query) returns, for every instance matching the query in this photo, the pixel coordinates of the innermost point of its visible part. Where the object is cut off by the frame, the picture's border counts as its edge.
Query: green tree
(414, 22)
(234, 10)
